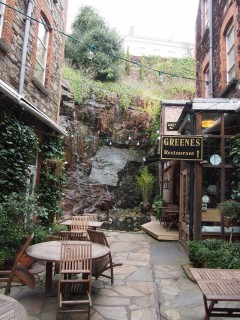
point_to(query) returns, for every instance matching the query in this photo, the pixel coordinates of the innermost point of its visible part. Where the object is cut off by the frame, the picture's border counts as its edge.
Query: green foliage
(91, 32)
(231, 209)
(127, 63)
(16, 224)
(145, 183)
(157, 205)
(18, 147)
(53, 178)
(214, 253)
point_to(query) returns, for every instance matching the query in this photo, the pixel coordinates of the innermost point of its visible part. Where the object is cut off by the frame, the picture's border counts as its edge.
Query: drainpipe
(211, 48)
(25, 44)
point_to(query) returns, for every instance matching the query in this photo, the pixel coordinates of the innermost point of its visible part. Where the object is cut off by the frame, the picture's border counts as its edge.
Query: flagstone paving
(150, 285)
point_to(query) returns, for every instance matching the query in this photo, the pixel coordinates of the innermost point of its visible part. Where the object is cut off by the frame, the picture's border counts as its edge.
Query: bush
(214, 253)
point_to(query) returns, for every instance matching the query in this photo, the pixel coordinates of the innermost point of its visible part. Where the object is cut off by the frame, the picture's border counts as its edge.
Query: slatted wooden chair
(74, 293)
(92, 217)
(70, 235)
(18, 274)
(80, 224)
(104, 263)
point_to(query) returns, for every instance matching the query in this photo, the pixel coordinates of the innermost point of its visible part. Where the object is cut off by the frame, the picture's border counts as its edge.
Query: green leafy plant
(18, 147)
(53, 178)
(214, 253)
(145, 183)
(231, 209)
(157, 205)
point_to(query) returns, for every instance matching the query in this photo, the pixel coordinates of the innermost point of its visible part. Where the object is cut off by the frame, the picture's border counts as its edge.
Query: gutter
(18, 99)
(211, 65)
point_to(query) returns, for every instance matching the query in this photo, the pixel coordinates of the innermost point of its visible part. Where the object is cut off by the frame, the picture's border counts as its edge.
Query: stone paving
(150, 285)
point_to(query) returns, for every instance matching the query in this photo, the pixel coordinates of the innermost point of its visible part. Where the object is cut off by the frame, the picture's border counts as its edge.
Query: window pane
(2, 8)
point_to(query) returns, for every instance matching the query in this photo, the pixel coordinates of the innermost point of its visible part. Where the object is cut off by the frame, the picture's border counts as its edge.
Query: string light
(90, 53)
(161, 77)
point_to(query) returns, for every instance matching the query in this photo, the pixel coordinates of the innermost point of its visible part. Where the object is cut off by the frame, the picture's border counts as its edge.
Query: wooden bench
(219, 285)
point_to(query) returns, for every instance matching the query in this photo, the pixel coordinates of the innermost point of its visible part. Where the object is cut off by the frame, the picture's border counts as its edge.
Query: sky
(163, 19)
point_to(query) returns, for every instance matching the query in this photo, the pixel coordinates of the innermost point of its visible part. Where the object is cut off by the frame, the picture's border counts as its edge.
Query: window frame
(230, 50)
(206, 14)
(44, 45)
(2, 10)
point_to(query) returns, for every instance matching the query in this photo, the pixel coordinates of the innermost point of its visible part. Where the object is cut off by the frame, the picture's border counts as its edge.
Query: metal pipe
(24, 50)
(211, 66)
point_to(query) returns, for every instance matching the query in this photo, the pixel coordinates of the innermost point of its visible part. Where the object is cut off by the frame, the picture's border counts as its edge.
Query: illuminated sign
(182, 148)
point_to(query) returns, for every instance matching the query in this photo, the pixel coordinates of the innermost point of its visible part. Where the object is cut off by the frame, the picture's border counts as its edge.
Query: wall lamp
(166, 184)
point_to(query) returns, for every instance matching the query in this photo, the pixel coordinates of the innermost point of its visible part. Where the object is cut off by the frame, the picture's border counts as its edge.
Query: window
(2, 7)
(230, 55)
(206, 79)
(33, 175)
(206, 13)
(42, 45)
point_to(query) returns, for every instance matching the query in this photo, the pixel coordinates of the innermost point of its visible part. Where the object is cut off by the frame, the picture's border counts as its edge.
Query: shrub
(214, 253)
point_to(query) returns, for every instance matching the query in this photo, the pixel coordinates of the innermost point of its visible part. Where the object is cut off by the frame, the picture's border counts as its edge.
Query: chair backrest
(98, 237)
(69, 235)
(76, 257)
(79, 223)
(22, 251)
(25, 276)
(13, 272)
(92, 216)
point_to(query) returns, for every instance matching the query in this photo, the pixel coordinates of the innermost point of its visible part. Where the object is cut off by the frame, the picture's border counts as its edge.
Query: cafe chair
(75, 278)
(18, 274)
(80, 224)
(92, 217)
(70, 235)
(104, 263)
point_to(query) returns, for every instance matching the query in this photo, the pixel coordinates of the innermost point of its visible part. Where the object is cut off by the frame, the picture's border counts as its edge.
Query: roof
(25, 104)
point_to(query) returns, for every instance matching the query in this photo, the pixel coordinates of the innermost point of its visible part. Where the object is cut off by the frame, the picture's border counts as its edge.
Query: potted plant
(145, 183)
(231, 213)
(157, 205)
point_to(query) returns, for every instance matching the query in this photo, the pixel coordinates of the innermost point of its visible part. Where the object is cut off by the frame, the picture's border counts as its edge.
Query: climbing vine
(53, 178)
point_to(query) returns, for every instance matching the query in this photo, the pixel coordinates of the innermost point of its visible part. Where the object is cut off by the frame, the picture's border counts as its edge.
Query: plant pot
(145, 207)
(26, 261)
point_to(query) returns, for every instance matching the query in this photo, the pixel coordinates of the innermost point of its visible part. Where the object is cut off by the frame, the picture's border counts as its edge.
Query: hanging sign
(181, 148)
(170, 126)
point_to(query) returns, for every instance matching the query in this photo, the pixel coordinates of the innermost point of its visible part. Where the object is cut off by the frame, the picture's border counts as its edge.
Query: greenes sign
(181, 148)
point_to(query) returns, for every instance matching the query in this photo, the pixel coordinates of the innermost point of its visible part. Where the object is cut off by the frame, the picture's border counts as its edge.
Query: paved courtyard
(150, 285)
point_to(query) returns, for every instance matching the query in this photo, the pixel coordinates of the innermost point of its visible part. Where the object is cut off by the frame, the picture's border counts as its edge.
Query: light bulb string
(98, 49)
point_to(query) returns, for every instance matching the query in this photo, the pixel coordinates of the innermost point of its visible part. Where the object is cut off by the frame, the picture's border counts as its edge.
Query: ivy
(52, 180)
(18, 147)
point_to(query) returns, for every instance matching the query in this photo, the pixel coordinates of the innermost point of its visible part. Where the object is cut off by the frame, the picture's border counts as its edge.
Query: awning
(25, 104)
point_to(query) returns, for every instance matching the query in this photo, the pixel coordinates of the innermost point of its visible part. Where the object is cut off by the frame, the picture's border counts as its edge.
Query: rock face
(104, 153)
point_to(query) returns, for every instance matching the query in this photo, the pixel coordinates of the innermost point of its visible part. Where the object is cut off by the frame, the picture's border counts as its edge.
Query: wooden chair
(18, 274)
(70, 235)
(75, 293)
(80, 224)
(92, 216)
(102, 264)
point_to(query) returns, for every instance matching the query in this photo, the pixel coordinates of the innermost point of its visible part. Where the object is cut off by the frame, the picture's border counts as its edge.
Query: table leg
(48, 281)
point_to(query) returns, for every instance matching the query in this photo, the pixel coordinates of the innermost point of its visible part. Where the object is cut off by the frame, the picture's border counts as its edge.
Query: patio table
(11, 309)
(91, 224)
(50, 252)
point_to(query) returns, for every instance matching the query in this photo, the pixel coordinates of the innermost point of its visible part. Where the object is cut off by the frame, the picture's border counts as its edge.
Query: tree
(128, 64)
(90, 32)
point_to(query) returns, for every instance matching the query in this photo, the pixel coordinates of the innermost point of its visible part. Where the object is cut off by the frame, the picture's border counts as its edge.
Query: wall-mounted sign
(170, 126)
(181, 148)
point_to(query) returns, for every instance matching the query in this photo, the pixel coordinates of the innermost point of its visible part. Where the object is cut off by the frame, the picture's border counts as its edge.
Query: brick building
(218, 48)
(31, 59)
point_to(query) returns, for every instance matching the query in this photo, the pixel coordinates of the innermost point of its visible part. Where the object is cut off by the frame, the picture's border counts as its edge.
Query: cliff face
(104, 153)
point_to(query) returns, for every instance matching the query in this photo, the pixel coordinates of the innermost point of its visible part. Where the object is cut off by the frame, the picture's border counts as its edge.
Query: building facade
(31, 59)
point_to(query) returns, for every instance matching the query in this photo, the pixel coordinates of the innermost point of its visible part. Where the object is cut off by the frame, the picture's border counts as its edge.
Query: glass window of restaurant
(218, 170)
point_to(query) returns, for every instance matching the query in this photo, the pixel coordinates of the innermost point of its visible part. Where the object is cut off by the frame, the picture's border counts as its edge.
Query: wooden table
(219, 285)
(172, 218)
(50, 252)
(92, 224)
(11, 309)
